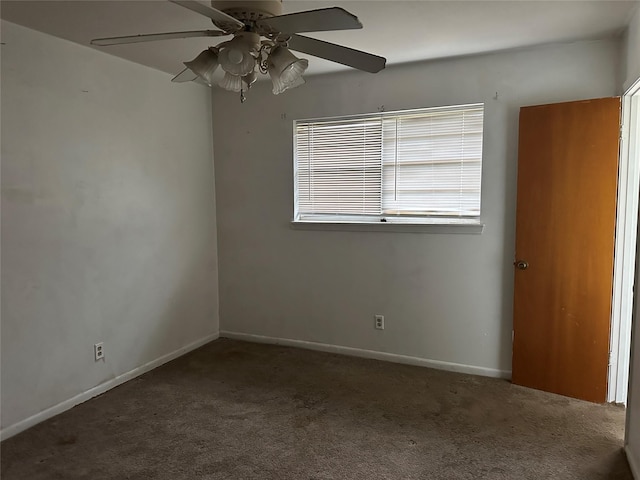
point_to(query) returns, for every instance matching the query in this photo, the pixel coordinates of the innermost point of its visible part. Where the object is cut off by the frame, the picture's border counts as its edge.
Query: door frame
(625, 246)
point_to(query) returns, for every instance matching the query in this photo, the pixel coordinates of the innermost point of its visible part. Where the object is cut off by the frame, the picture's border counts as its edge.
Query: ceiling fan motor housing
(248, 11)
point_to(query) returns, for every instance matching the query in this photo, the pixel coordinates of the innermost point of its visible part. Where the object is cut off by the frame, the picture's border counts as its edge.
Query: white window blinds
(339, 169)
(433, 162)
(418, 163)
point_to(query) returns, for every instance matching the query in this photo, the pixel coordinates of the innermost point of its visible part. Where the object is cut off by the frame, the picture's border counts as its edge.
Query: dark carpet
(235, 410)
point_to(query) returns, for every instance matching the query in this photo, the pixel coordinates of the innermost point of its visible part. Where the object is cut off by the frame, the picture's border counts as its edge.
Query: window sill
(471, 228)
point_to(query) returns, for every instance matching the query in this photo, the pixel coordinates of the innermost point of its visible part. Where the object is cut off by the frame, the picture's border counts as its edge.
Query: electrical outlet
(98, 351)
(379, 324)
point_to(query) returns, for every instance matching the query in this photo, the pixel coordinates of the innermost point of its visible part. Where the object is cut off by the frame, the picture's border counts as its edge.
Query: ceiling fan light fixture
(204, 65)
(230, 82)
(293, 72)
(285, 69)
(237, 57)
(279, 86)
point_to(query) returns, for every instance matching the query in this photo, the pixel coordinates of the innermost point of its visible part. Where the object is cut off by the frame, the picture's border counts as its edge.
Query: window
(415, 166)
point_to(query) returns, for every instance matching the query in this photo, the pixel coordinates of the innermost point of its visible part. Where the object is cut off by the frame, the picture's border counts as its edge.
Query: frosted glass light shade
(236, 56)
(296, 83)
(230, 82)
(279, 86)
(204, 65)
(294, 72)
(285, 69)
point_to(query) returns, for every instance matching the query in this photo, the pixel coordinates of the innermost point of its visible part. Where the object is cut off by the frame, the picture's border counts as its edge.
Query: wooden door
(565, 225)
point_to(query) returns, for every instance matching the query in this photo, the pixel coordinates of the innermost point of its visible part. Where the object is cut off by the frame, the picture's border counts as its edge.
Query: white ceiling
(401, 31)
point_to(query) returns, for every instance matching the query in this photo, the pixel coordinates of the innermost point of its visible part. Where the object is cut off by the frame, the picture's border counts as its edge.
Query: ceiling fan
(262, 41)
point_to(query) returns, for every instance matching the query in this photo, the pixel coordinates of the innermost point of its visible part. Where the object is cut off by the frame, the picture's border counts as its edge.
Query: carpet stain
(67, 440)
(306, 401)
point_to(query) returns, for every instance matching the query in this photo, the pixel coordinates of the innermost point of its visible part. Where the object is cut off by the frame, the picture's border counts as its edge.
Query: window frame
(409, 223)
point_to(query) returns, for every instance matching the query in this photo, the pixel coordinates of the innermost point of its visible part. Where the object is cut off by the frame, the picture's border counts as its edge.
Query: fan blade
(185, 75)
(229, 23)
(337, 53)
(152, 37)
(324, 19)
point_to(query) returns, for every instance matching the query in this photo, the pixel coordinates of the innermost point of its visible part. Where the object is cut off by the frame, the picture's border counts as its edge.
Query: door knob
(521, 264)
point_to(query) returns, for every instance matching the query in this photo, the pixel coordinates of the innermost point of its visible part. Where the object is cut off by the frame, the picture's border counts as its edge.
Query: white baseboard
(29, 422)
(634, 462)
(358, 352)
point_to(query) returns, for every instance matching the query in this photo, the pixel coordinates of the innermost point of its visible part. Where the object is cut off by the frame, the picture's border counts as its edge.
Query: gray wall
(108, 219)
(446, 297)
(631, 51)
